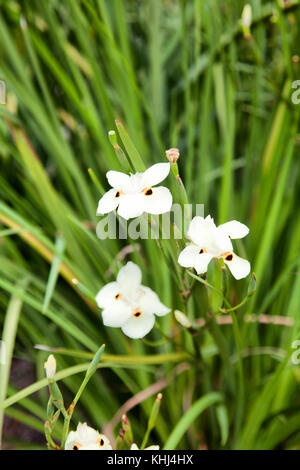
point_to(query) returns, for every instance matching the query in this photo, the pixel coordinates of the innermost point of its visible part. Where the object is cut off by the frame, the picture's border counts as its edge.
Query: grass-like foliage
(161, 74)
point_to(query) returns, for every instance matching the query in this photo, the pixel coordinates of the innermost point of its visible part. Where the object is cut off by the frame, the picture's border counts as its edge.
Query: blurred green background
(177, 74)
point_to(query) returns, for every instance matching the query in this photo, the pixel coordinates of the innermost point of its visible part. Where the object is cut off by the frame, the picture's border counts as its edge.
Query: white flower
(50, 366)
(135, 447)
(86, 438)
(128, 304)
(134, 194)
(210, 242)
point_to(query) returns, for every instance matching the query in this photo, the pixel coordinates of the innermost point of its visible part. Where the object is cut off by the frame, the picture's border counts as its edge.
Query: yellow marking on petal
(148, 191)
(117, 297)
(100, 442)
(137, 313)
(118, 193)
(227, 256)
(203, 250)
(76, 446)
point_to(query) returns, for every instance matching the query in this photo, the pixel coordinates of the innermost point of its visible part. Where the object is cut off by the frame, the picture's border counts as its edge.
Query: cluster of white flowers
(128, 304)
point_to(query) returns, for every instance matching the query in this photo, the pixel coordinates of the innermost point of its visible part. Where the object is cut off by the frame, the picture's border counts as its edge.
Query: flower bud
(247, 16)
(182, 319)
(172, 155)
(50, 366)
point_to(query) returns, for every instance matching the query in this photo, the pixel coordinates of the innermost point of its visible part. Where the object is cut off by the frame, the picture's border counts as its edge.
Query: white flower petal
(70, 440)
(118, 180)
(131, 205)
(150, 304)
(202, 261)
(129, 277)
(188, 255)
(90, 447)
(134, 447)
(155, 174)
(84, 435)
(103, 443)
(200, 231)
(159, 202)
(234, 229)
(108, 202)
(106, 295)
(239, 267)
(116, 315)
(138, 327)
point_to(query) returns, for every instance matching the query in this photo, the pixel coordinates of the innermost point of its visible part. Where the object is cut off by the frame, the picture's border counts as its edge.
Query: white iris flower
(86, 438)
(210, 242)
(129, 305)
(134, 194)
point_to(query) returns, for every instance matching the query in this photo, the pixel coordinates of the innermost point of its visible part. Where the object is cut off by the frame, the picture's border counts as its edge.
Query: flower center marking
(228, 256)
(76, 446)
(203, 250)
(148, 192)
(100, 442)
(118, 194)
(117, 296)
(137, 313)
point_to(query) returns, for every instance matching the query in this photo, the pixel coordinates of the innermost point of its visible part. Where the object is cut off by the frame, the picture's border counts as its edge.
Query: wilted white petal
(188, 255)
(239, 267)
(138, 327)
(116, 315)
(131, 205)
(234, 229)
(108, 202)
(160, 200)
(155, 174)
(118, 180)
(107, 295)
(149, 303)
(129, 277)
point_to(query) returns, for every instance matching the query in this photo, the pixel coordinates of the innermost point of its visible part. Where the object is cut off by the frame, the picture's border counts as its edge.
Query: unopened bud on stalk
(246, 20)
(172, 155)
(50, 367)
(182, 319)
